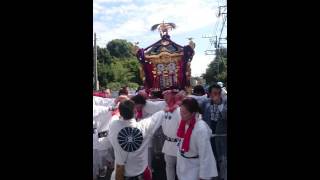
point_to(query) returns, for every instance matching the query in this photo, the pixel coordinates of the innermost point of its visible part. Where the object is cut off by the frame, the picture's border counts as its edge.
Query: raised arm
(99, 101)
(155, 106)
(152, 123)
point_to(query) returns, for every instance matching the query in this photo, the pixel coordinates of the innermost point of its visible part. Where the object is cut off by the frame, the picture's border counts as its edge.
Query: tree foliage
(103, 55)
(117, 65)
(120, 48)
(217, 69)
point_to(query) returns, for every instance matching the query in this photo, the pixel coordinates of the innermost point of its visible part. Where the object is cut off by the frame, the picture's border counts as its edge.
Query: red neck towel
(139, 114)
(171, 108)
(115, 112)
(186, 135)
(171, 105)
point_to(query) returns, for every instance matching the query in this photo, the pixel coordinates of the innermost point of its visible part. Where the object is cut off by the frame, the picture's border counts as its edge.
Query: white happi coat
(152, 107)
(95, 152)
(130, 141)
(103, 144)
(101, 115)
(203, 167)
(170, 126)
(99, 101)
(101, 119)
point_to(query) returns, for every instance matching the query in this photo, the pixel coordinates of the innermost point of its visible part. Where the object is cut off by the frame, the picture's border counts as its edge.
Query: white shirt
(95, 136)
(133, 151)
(224, 93)
(152, 107)
(100, 114)
(170, 126)
(99, 101)
(203, 167)
(103, 143)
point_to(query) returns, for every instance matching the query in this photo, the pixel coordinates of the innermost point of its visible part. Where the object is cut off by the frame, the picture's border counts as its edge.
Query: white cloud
(200, 63)
(108, 1)
(132, 21)
(189, 15)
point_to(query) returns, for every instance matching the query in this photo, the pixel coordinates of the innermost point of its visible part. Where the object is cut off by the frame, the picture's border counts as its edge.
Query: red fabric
(186, 135)
(100, 94)
(166, 92)
(147, 175)
(171, 108)
(115, 112)
(172, 104)
(139, 114)
(149, 75)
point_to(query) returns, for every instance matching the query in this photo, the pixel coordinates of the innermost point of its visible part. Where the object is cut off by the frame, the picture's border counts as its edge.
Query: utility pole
(213, 40)
(96, 83)
(217, 39)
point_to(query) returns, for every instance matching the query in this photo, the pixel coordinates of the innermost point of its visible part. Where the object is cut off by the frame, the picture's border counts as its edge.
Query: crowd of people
(189, 130)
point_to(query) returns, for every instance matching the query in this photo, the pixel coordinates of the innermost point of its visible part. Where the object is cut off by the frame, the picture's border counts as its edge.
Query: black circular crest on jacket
(130, 139)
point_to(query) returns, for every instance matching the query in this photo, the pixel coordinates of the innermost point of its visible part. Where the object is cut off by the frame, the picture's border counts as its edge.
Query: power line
(223, 24)
(218, 30)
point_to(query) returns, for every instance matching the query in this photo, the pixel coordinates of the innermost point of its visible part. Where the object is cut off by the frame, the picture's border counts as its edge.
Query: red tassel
(147, 175)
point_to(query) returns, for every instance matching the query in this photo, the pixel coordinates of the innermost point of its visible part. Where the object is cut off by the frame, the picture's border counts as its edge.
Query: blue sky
(132, 20)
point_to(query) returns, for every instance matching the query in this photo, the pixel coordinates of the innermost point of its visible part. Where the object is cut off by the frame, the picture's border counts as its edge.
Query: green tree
(133, 65)
(103, 55)
(117, 66)
(114, 86)
(120, 73)
(104, 74)
(120, 48)
(217, 69)
(132, 85)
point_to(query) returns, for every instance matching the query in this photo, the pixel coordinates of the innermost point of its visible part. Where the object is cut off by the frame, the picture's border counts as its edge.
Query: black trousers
(214, 149)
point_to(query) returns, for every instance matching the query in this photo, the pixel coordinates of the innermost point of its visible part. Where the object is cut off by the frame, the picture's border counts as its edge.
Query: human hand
(121, 99)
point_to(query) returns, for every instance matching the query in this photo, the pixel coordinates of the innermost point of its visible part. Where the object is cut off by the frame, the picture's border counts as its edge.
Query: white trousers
(171, 162)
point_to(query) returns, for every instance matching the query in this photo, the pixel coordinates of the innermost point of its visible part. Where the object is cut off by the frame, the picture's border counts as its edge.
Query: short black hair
(123, 92)
(191, 105)
(139, 99)
(157, 94)
(199, 90)
(214, 86)
(126, 109)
